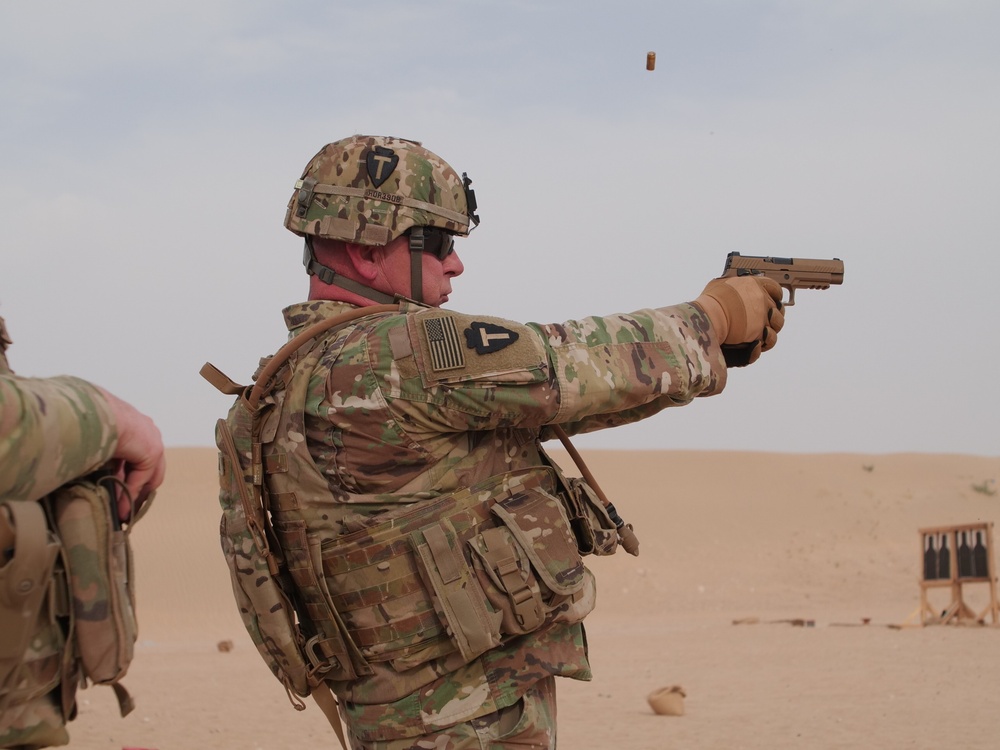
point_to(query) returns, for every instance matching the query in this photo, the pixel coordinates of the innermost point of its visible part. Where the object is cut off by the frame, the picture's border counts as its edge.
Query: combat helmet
(370, 190)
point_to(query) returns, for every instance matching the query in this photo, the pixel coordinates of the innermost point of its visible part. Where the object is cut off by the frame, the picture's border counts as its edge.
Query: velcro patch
(450, 347)
(380, 162)
(487, 338)
(443, 343)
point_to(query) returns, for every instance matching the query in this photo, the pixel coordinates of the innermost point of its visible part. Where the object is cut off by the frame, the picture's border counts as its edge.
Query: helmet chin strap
(417, 264)
(328, 276)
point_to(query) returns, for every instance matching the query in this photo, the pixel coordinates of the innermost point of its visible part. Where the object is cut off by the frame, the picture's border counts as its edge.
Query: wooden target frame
(955, 557)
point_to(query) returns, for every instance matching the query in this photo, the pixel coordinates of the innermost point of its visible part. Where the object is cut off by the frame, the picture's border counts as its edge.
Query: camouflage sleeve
(477, 373)
(623, 368)
(52, 430)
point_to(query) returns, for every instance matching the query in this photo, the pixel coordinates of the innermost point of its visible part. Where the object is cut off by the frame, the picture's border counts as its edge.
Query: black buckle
(417, 240)
(314, 267)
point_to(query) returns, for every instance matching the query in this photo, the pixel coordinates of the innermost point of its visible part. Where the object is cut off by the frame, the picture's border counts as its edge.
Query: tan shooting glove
(746, 311)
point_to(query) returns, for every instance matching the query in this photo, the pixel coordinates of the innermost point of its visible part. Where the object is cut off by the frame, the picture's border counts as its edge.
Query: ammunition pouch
(529, 565)
(66, 609)
(33, 642)
(101, 580)
(595, 532)
(459, 573)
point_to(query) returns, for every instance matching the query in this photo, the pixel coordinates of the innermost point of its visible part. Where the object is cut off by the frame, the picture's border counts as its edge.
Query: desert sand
(756, 575)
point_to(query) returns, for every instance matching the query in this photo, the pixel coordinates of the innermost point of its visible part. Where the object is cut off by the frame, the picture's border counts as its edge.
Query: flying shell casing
(650, 60)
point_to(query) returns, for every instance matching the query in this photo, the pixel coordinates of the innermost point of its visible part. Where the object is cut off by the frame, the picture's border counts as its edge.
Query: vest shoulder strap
(264, 380)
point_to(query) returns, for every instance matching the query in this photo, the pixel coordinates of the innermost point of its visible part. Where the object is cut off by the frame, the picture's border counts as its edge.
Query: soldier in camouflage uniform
(52, 431)
(405, 406)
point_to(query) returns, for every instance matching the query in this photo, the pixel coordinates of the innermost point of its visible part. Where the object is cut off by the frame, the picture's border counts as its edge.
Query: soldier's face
(394, 268)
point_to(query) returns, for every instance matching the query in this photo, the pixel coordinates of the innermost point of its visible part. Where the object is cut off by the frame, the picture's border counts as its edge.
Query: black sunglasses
(437, 242)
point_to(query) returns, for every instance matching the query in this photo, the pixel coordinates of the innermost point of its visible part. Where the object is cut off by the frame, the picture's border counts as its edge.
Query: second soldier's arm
(52, 430)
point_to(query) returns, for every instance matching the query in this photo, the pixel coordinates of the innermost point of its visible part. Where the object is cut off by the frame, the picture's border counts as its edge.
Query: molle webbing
(330, 650)
(401, 587)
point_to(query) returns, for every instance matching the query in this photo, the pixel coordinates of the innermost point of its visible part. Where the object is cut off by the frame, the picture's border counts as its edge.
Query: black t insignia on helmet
(381, 163)
(487, 338)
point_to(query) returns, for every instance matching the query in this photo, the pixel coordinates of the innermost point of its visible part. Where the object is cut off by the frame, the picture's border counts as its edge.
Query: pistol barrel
(791, 273)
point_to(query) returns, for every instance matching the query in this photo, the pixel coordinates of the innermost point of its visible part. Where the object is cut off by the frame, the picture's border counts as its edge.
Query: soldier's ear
(362, 259)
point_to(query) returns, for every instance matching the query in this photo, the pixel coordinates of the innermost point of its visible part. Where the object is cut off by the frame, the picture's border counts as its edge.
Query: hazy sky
(149, 149)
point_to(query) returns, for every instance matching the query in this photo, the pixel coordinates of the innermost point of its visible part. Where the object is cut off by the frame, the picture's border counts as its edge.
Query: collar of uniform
(306, 313)
(302, 314)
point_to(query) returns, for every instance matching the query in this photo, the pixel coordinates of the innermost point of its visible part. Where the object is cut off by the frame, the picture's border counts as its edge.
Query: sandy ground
(736, 549)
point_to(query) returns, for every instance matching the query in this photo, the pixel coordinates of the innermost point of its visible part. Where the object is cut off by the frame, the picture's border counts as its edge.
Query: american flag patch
(444, 344)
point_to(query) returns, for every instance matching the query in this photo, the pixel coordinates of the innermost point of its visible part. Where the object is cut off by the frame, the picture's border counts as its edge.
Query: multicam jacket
(426, 400)
(52, 430)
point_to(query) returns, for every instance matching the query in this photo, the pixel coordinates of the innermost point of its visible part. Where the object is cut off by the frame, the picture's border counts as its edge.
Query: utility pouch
(528, 564)
(458, 573)
(32, 641)
(403, 585)
(101, 581)
(457, 596)
(264, 606)
(27, 561)
(66, 608)
(593, 528)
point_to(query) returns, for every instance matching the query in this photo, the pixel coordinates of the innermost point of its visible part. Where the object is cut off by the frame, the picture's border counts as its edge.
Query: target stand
(956, 558)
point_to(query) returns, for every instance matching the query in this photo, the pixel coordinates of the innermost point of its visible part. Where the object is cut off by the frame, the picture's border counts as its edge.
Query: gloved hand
(746, 313)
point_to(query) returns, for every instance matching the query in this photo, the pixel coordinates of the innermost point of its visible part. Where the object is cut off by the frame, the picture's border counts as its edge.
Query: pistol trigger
(791, 297)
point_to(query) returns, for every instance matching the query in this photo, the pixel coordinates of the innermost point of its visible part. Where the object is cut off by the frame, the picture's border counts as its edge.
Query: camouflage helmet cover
(371, 189)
